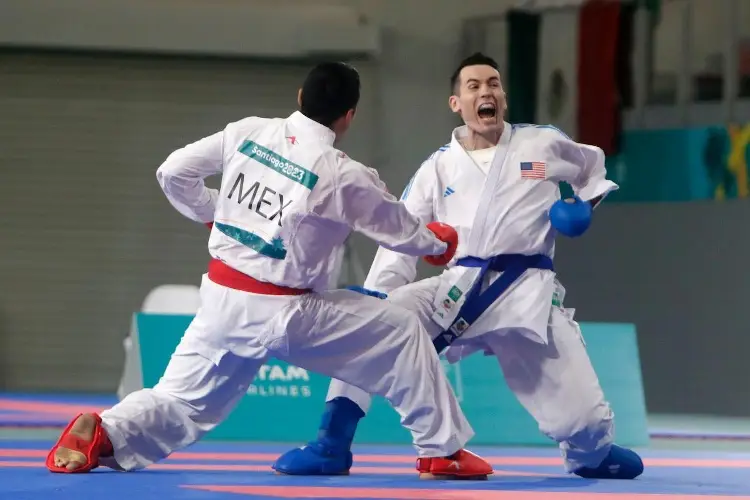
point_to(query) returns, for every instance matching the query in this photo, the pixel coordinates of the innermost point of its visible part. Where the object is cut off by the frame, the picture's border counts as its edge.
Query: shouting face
(480, 99)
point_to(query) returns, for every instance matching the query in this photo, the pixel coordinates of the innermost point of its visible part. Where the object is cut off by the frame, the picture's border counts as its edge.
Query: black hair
(476, 59)
(330, 90)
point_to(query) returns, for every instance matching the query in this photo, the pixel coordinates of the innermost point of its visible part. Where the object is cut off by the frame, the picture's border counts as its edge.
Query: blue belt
(512, 266)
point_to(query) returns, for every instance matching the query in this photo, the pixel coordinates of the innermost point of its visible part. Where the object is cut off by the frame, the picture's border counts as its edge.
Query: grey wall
(86, 231)
(46, 323)
(422, 44)
(674, 270)
(679, 272)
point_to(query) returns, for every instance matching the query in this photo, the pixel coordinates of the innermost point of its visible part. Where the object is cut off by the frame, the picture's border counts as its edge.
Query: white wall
(421, 46)
(709, 22)
(668, 38)
(420, 51)
(708, 26)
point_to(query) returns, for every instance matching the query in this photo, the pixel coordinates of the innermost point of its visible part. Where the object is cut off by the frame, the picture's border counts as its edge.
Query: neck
(475, 140)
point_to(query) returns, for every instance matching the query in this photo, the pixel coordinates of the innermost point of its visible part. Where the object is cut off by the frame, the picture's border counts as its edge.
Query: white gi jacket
(503, 212)
(288, 200)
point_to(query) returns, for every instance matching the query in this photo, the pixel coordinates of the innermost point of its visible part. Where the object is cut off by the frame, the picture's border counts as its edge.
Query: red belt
(223, 275)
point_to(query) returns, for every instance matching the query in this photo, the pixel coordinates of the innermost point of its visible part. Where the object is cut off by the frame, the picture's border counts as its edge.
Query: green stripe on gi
(290, 170)
(274, 249)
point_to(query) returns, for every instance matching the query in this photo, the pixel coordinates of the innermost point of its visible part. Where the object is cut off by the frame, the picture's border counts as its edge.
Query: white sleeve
(182, 173)
(590, 182)
(366, 206)
(390, 269)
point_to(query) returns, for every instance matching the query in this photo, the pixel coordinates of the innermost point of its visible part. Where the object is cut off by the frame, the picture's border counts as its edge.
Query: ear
(350, 115)
(299, 97)
(454, 104)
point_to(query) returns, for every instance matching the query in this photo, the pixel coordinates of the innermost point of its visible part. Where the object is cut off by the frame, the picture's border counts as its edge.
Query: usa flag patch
(533, 170)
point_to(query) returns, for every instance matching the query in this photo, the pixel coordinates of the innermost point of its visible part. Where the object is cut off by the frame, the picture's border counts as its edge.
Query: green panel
(285, 402)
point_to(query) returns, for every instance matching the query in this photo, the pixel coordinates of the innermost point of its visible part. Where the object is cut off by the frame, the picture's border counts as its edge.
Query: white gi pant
(370, 343)
(554, 381)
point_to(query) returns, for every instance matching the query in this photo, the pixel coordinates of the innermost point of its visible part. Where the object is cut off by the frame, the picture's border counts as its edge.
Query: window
(707, 57)
(666, 49)
(743, 47)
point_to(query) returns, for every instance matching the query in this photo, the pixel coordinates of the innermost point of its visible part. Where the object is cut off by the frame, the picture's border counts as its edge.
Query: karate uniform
(288, 201)
(498, 202)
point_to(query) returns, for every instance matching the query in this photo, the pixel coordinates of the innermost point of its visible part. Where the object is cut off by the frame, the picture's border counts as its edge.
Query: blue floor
(29, 425)
(214, 470)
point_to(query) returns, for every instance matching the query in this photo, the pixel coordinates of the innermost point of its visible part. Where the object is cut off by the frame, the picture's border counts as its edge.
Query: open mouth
(487, 111)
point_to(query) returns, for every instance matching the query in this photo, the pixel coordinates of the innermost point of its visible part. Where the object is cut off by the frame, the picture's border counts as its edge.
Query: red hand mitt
(445, 233)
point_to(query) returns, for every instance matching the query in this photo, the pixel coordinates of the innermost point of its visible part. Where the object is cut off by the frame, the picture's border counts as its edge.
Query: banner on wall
(707, 163)
(284, 403)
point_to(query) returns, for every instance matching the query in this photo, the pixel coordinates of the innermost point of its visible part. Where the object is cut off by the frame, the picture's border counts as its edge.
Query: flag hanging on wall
(558, 69)
(598, 96)
(576, 72)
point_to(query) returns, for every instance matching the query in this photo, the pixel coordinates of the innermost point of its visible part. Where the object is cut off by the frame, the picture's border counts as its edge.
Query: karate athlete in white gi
(288, 200)
(497, 184)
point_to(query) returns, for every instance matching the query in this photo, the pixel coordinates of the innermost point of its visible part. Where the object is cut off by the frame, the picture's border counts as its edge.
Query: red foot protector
(445, 233)
(92, 450)
(461, 465)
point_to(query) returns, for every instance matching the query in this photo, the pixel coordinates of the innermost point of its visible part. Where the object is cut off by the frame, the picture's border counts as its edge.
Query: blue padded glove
(365, 291)
(571, 217)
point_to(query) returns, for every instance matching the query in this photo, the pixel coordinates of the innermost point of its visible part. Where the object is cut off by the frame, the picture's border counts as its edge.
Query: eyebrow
(474, 80)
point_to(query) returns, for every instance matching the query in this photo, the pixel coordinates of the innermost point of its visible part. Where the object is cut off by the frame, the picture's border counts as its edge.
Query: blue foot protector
(330, 454)
(620, 463)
